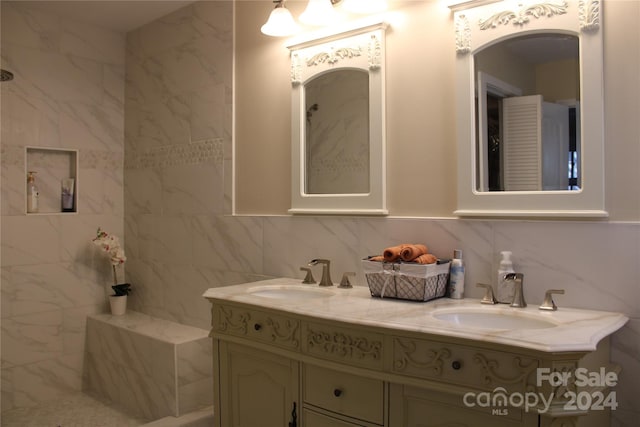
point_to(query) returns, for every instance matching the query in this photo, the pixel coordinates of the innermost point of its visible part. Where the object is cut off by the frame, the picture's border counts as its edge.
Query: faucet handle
(308, 279)
(488, 297)
(344, 283)
(548, 303)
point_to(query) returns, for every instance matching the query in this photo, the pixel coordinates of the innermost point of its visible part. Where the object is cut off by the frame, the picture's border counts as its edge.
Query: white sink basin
(290, 292)
(493, 320)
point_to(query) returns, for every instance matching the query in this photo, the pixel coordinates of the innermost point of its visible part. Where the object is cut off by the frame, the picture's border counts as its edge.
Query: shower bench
(151, 367)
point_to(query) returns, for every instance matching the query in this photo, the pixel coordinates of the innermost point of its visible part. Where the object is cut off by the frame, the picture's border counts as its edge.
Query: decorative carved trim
(490, 369)
(375, 53)
(521, 16)
(343, 345)
(296, 69)
(430, 359)
(283, 333)
(589, 15)
(334, 55)
(564, 368)
(233, 323)
(463, 34)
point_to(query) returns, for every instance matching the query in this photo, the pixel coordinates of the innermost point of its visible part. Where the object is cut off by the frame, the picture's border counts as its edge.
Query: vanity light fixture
(280, 22)
(317, 13)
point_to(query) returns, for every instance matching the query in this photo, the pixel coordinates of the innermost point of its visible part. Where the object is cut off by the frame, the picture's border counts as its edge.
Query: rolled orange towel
(392, 253)
(426, 259)
(411, 252)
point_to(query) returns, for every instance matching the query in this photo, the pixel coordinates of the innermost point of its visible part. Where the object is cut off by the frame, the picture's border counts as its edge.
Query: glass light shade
(319, 12)
(365, 6)
(280, 23)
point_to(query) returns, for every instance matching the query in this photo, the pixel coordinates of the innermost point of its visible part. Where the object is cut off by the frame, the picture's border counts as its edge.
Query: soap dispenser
(32, 193)
(505, 290)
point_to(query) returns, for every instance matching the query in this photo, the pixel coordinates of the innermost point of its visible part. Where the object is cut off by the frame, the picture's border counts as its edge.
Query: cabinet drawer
(349, 346)
(464, 365)
(345, 394)
(314, 419)
(256, 325)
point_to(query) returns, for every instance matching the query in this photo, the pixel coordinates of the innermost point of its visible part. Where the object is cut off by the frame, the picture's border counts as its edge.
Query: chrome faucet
(518, 295)
(326, 274)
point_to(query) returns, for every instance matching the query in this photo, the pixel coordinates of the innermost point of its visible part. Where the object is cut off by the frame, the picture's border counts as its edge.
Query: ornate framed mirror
(338, 123)
(530, 109)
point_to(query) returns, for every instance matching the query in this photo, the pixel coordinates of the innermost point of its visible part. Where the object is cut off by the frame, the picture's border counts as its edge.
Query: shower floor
(78, 410)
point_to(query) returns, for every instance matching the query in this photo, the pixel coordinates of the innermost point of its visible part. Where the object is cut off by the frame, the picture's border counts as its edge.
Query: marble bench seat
(151, 367)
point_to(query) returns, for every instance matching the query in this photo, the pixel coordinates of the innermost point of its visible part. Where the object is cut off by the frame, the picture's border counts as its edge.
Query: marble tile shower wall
(68, 92)
(178, 158)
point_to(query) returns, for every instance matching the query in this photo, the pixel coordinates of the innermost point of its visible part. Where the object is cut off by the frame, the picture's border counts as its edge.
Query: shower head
(5, 75)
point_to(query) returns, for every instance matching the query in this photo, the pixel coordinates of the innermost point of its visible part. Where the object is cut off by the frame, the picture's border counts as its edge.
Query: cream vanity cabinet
(274, 367)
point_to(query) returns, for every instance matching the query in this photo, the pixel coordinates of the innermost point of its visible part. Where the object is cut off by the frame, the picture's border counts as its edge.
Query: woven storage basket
(415, 282)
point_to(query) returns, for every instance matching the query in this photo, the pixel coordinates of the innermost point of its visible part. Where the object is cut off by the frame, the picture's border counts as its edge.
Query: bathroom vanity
(287, 354)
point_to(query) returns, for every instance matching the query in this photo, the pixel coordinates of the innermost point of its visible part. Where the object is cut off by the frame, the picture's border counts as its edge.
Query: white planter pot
(118, 304)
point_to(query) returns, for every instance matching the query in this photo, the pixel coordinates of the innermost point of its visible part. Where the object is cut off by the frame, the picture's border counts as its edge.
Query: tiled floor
(79, 410)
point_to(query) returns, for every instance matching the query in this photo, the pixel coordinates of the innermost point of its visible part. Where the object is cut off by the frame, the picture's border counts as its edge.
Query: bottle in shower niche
(456, 276)
(32, 193)
(67, 195)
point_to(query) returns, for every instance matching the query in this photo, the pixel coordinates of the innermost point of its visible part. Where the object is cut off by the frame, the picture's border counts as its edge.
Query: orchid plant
(111, 245)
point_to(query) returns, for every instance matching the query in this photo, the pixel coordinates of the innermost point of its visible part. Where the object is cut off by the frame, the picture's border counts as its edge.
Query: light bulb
(280, 23)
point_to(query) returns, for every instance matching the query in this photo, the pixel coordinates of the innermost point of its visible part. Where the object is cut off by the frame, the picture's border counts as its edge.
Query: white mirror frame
(356, 48)
(485, 25)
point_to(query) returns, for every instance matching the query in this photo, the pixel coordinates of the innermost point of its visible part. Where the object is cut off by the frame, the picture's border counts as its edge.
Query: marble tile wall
(178, 165)
(68, 92)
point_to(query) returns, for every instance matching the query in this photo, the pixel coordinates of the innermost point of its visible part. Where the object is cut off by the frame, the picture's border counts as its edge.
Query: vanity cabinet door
(416, 407)
(257, 388)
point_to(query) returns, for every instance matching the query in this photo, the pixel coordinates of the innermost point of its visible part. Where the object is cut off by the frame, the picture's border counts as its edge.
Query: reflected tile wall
(68, 92)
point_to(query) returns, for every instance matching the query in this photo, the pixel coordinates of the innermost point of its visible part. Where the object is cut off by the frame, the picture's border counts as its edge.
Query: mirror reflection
(528, 114)
(337, 133)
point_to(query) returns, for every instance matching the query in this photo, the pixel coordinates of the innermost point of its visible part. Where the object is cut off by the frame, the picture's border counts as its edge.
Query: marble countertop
(574, 330)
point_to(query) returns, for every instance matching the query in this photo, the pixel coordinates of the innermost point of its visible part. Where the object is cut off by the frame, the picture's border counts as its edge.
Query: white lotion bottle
(456, 276)
(32, 193)
(505, 289)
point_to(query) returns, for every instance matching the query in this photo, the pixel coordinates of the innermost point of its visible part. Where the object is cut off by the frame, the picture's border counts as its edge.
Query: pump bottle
(32, 193)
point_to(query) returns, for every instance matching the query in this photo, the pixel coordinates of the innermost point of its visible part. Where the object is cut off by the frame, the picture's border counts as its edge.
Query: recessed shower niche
(56, 178)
